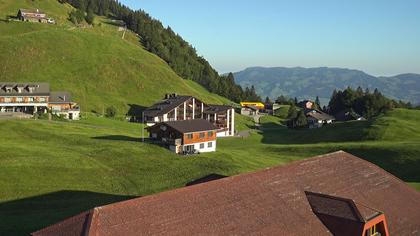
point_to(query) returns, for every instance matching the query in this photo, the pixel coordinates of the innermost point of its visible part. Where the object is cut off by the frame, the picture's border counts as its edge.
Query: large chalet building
(186, 136)
(32, 98)
(178, 108)
(334, 194)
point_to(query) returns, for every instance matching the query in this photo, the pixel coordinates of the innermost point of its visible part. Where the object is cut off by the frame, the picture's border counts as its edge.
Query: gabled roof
(31, 11)
(166, 105)
(213, 109)
(188, 126)
(319, 115)
(60, 97)
(340, 207)
(268, 202)
(40, 89)
(346, 115)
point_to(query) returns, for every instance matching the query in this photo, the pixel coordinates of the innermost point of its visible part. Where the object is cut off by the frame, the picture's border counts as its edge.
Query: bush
(111, 112)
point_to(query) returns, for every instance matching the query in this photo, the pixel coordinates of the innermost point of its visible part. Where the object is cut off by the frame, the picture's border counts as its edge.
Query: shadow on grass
(135, 112)
(23, 216)
(401, 160)
(274, 133)
(119, 138)
(206, 179)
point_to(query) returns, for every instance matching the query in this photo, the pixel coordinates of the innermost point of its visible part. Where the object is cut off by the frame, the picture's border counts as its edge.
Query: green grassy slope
(95, 64)
(53, 8)
(52, 170)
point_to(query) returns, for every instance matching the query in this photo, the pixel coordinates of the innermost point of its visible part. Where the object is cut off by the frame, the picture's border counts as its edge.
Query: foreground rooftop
(284, 200)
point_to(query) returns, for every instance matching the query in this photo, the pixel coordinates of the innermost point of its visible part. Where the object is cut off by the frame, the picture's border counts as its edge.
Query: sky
(380, 37)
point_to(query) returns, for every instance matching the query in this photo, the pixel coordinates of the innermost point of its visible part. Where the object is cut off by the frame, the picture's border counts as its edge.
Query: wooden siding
(196, 137)
(37, 99)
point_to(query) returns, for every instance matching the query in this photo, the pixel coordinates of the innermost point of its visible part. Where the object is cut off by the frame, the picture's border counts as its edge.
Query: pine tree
(301, 120)
(317, 102)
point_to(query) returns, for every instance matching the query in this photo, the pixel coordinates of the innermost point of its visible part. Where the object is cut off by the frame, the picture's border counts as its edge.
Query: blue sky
(380, 37)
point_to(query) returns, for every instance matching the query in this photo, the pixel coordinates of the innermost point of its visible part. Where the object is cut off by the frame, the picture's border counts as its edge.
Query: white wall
(206, 148)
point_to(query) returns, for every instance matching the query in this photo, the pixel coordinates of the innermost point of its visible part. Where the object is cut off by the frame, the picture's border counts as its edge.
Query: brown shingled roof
(189, 126)
(268, 202)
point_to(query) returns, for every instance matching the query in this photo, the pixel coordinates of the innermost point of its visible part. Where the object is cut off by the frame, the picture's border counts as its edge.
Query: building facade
(178, 108)
(61, 104)
(186, 136)
(36, 98)
(24, 97)
(33, 16)
(316, 118)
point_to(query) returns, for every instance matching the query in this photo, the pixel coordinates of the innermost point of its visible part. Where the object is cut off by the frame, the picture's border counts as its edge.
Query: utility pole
(142, 128)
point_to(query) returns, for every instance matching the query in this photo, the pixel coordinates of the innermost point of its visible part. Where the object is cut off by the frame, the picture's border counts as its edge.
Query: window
(201, 145)
(210, 134)
(7, 99)
(371, 231)
(31, 99)
(210, 144)
(189, 136)
(19, 99)
(42, 99)
(202, 135)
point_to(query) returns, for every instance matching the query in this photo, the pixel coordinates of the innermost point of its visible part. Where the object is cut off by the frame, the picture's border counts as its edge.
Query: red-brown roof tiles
(268, 202)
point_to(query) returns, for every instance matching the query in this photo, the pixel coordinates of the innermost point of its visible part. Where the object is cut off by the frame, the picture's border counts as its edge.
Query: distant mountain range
(311, 82)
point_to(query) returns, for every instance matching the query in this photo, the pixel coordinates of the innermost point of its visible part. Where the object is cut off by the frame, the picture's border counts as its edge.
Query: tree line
(168, 45)
(363, 102)
(366, 103)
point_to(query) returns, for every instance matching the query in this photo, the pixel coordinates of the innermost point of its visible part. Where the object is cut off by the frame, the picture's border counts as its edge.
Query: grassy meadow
(95, 64)
(50, 170)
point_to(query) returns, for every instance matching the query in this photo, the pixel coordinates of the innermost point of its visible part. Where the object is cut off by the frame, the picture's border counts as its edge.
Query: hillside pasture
(51, 170)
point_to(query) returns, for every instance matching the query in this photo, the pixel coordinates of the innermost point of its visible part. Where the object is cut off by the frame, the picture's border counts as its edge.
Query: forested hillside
(307, 83)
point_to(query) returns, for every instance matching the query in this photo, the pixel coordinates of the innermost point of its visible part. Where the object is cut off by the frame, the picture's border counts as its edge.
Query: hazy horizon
(378, 37)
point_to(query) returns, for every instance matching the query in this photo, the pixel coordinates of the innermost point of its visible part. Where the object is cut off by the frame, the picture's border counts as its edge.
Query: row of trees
(296, 118)
(169, 46)
(79, 16)
(364, 102)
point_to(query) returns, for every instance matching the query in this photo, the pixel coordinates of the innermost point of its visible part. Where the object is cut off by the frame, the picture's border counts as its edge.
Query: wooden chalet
(61, 104)
(317, 118)
(178, 108)
(32, 98)
(186, 136)
(333, 194)
(27, 98)
(34, 16)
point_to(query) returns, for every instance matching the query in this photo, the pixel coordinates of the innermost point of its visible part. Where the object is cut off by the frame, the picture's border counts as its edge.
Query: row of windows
(201, 135)
(21, 99)
(209, 145)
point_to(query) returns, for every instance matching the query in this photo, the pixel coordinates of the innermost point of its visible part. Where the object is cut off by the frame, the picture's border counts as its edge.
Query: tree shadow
(274, 133)
(119, 138)
(24, 216)
(135, 112)
(206, 179)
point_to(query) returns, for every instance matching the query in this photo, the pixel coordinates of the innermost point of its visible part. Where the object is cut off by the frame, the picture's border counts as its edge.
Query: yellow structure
(256, 104)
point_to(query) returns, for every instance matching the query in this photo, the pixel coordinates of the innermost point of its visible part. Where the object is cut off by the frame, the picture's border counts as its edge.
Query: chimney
(167, 96)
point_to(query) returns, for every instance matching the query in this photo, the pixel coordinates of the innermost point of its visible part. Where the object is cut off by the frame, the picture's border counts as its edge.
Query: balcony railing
(175, 142)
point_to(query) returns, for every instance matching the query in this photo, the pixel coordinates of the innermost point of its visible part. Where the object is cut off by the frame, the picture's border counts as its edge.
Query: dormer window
(372, 231)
